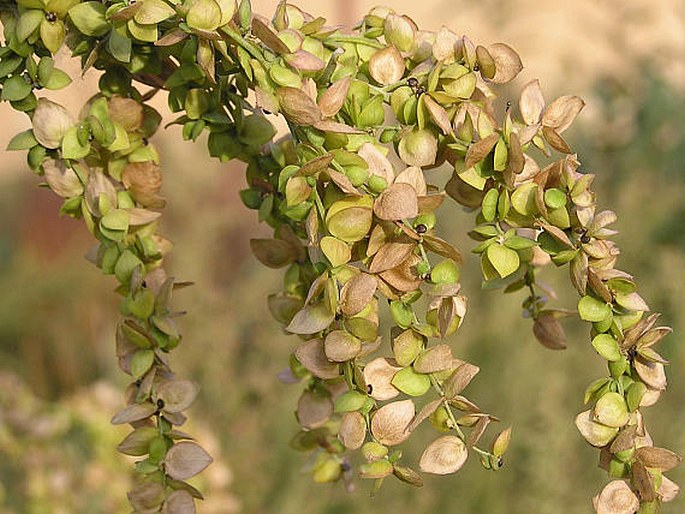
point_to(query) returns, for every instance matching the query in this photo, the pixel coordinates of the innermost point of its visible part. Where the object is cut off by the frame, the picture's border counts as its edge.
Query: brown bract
(298, 106)
(397, 202)
(387, 66)
(389, 424)
(445, 455)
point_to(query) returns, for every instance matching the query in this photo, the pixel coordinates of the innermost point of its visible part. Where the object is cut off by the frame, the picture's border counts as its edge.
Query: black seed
(500, 461)
(145, 141)
(476, 68)
(508, 104)
(585, 239)
(345, 466)
(51, 16)
(421, 228)
(369, 389)
(412, 82)
(160, 404)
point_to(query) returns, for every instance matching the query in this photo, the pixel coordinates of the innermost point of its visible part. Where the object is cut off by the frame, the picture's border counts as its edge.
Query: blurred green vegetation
(56, 340)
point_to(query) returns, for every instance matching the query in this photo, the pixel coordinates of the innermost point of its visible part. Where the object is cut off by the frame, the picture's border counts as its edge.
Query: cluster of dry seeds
(348, 194)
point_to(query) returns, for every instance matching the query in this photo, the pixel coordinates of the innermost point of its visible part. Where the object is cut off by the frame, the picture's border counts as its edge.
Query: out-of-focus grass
(57, 316)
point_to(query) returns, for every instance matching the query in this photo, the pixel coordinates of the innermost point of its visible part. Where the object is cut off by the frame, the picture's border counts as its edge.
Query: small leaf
(137, 443)
(333, 98)
(387, 66)
(560, 114)
(505, 260)
(389, 424)
(593, 309)
(134, 412)
(352, 431)
(507, 62)
(616, 498)
(479, 150)
(89, 18)
(179, 502)
(445, 455)
(658, 458)
(312, 356)
(185, 460)
(378, 376)
(357, 293)
(15, 89)
(549, 332)
(141, 362)
(459, 379)
(532, 103)
(607, 347)
(411, 383)
(397, 202)
(434, 359)
(298, 106)
(177, 395)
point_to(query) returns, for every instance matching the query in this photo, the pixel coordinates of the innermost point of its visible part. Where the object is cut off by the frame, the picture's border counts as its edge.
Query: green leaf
(147, 33)
(28, 23)
(490, 204)
(203, 15)
(72, 147)
(9, 65)
(607, 347)
(116, 219)
(119, 46)
(125, 265)
(505, 260)
(52, 34)
(57, 80)
(592, 309)
(22, 141)
(153, 11)
(15, 88)
(141, 362)
(555, 198)
(410, 382)
(89, 18)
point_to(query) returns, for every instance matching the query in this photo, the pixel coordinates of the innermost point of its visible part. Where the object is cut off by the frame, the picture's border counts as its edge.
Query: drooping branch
(354, 219)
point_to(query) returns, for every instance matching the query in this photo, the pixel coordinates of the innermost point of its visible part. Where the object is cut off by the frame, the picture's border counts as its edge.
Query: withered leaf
(652, 373)
(404, 277)
(478, 430)
(179, 502)
(658, 458)
(185, 460)
(407, 475)
(413, 176)
(341, 346)
(389, 424)
(507, 62)
(357, 293)
(459, 379)
(378, 163)
(515, 159)
(305, 61)
(134, 412)
(616, 498)
(391, 254)
(445, 455)
(643, 482)
(479, 150)
(425, 412)
(138, 442)
(549, 332)
(532, 103)
(352, 431)
(62, 180)
(378, 376)
(177, 395)
(334, 126)
(273, 253)
(315, 165)
(312, 356)
(298, 106)
(560, 114)
(333, 98)
(443, 248)
(555, 140)
(399, 201)
(314, 409)
(438, 114)
(434, 359)
(311, 319)
(146, 497)
(268, 37)
(387, 66)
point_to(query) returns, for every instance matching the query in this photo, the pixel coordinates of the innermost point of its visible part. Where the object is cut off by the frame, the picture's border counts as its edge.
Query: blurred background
(59, 382)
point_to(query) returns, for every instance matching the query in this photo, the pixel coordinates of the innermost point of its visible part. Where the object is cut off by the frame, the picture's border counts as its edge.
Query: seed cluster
(354, 211)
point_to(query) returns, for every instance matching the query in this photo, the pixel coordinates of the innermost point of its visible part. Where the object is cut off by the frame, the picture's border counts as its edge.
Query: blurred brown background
(59, 383)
